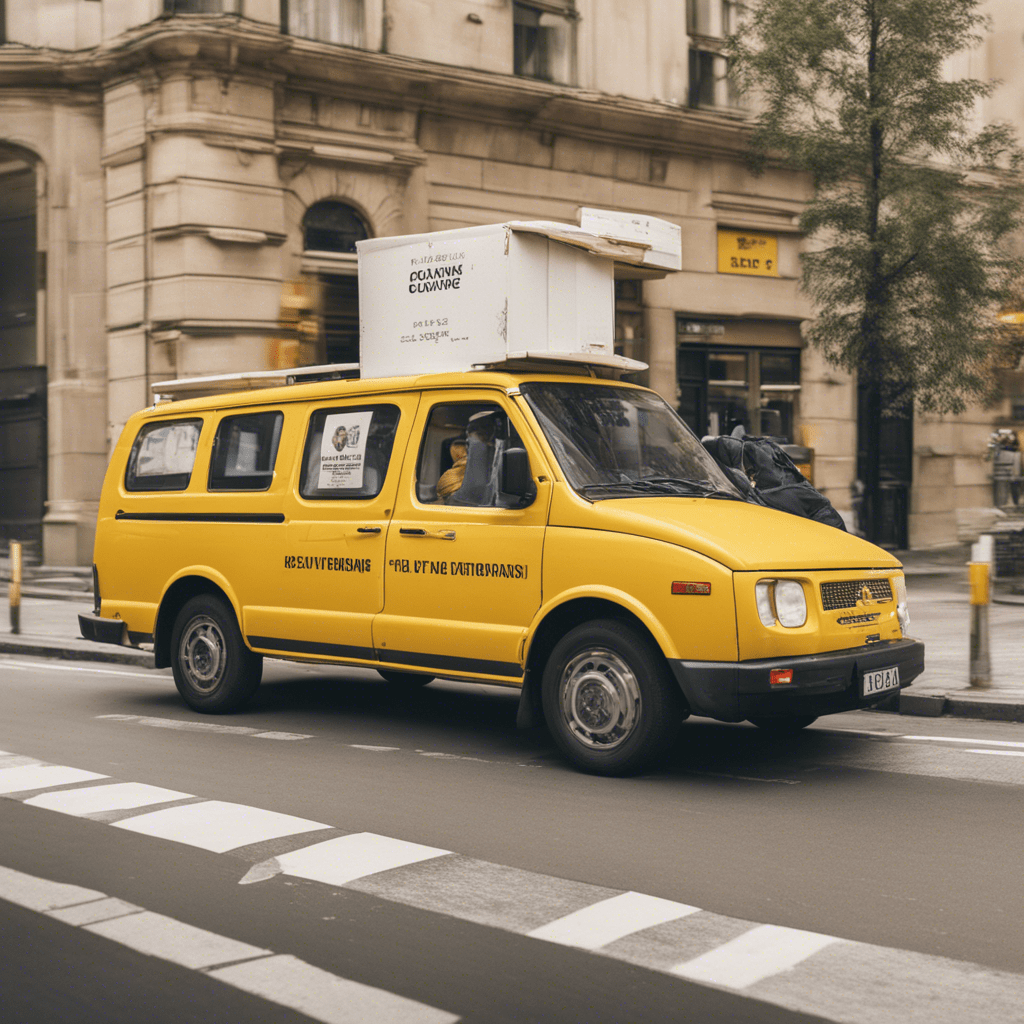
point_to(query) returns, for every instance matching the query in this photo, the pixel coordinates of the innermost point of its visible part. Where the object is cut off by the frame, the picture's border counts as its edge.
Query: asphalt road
(397, 849)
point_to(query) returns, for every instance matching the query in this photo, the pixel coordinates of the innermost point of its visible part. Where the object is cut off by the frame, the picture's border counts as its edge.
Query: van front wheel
(609, 701)
(213, 669)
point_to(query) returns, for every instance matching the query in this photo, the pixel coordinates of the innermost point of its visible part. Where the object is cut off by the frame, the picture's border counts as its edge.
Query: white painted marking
(999, 753)
(168, 939)
(217, 825)
(346, 858)
(40, 893)
(186, 726)
(611, 919)
(42, 776)
(326, 997)
(755, 955)
(118, 796)
(284, 980)
(50, 667)
(367, 746)
(963, 739)
(98, 910)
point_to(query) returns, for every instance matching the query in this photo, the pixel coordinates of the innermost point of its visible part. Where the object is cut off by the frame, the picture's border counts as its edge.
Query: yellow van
(556, 532)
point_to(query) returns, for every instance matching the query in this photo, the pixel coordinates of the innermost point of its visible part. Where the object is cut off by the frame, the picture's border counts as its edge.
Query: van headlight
(781, 600)
(902, 608)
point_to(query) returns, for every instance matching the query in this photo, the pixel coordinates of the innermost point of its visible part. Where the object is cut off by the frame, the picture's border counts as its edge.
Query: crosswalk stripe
(184, 725)
(611, 919)
(117, 796)
(217, 825)
(998, 753)
(175, 941)
(758, 954)
(324, 996)
(42, 776)
(281, 979)
(346, 858)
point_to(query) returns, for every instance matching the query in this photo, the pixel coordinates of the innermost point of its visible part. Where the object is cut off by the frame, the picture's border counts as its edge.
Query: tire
(214, 671)
(408, 680)
(609, 701)
(784, 725)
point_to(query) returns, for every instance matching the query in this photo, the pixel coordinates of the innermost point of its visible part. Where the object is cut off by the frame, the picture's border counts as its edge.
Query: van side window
(163, 455)
(460, 460)
(347, 451)
(244, 452)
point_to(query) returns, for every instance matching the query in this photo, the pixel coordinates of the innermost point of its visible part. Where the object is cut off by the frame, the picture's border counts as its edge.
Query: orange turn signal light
(780, 676)
(691, 588)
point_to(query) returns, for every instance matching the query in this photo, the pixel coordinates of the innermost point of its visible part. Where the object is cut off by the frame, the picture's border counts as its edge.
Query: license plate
(880, 681)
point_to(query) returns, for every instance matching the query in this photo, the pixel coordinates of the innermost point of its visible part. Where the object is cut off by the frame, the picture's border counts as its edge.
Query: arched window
(332, 226)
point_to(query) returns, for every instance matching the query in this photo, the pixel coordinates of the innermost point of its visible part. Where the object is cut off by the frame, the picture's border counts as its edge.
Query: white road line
(376, 750)
(346, 858)
(611, 919)
(217, 825)
(118, 796)
(180, 943)
(186, 726)
(1000, 753)
(755, 955)
(284, 980)
(324, 996)
(962, 739)
(42, 776)
(42, 895)
(51, 667)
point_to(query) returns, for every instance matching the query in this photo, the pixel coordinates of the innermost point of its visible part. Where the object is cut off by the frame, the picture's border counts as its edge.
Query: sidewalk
(939, 611)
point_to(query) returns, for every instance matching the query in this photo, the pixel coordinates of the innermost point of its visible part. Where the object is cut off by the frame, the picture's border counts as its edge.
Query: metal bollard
(981, 667)
(14, 591)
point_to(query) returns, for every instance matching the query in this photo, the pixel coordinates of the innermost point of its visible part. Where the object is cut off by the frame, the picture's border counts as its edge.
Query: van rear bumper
(111, 631)
(823, 684)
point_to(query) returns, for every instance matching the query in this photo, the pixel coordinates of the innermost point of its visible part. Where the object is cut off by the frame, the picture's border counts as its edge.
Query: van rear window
(163, 455)
(244, 452)
(348, 451)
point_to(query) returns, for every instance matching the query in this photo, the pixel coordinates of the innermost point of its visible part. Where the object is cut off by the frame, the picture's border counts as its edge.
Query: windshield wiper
(685, 485)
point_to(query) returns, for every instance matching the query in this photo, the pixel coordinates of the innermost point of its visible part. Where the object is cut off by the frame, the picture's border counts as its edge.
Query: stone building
(182, 183)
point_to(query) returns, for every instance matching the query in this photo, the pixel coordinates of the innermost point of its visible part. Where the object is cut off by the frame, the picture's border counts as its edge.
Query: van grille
(846, 593)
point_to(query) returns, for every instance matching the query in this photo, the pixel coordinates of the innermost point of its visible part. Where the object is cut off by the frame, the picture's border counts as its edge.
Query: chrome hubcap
(202, 653)
(600, 699)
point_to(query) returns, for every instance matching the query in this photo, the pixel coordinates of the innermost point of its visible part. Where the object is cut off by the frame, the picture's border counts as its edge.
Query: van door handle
(434, 534)
(367, 529)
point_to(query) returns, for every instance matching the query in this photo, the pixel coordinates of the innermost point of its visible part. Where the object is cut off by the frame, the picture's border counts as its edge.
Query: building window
(709, 23)
(629, 320)
(201, 7)
(332, 226)
(329, 21)
(722, 387)
(544, 39)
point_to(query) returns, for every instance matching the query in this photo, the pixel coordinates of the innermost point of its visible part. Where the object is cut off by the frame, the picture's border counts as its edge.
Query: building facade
(183, 182)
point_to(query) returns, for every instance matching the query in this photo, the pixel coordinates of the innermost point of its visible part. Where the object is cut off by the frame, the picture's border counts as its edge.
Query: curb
(955, 705)
(108, 653)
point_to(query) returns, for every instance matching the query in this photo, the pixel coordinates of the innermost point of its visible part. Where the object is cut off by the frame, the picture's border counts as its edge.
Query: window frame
(358, 42)
(130, 481)
(248, 482)
(565, 9)
(327, 410)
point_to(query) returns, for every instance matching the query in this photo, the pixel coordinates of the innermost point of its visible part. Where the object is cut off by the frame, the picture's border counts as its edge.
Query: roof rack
(224, 383)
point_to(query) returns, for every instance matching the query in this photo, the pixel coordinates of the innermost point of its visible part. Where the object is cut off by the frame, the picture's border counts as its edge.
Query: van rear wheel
(609, 701)
(213, 669)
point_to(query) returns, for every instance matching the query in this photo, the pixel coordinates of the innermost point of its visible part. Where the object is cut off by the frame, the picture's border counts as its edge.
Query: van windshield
(613, 442)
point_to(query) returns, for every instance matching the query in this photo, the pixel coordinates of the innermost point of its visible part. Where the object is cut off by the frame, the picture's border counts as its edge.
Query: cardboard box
(452, 300)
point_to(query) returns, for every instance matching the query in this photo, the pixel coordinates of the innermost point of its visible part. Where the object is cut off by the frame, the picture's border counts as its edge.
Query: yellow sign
(747, 252)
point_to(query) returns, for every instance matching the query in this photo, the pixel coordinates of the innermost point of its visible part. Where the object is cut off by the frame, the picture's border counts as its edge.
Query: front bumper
(732, 691)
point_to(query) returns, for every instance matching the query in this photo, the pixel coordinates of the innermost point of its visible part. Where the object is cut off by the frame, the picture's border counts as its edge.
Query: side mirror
(516, 480)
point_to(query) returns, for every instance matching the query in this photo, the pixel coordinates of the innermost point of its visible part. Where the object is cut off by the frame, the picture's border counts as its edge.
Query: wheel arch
(187, 584)
(556, 620)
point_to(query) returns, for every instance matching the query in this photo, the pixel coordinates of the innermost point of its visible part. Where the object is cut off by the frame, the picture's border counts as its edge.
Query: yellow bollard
(980, 665)
(15, 587)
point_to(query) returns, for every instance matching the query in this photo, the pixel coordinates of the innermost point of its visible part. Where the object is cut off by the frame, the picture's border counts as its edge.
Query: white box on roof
(451, 300)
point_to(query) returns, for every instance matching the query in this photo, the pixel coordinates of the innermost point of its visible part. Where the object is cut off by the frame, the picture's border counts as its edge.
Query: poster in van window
(169, 450)
(343, 451)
